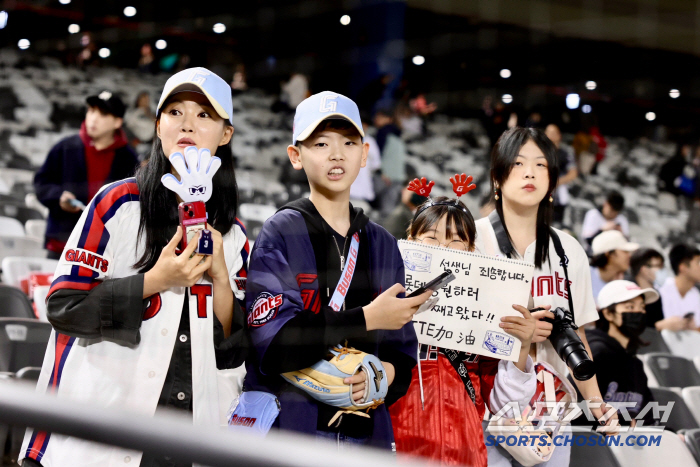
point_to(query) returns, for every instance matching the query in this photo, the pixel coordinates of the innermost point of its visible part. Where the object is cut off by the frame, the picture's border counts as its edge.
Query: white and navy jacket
(111, 348)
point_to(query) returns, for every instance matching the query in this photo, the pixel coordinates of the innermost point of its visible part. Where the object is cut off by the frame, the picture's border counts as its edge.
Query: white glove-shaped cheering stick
(196, 169)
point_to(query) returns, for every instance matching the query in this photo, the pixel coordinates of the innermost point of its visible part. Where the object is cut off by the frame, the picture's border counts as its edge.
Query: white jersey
(548, 286)
(104, 373)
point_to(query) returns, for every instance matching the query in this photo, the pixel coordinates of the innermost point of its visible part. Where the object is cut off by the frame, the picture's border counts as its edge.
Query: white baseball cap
(621, 291)
(611, 240)
(202, 81)
(319, 107)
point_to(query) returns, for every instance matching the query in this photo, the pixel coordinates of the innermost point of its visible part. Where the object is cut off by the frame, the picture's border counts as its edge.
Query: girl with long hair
(524, 174)
(138, 327)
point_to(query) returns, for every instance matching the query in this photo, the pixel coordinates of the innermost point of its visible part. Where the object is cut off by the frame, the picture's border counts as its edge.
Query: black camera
(568, 344)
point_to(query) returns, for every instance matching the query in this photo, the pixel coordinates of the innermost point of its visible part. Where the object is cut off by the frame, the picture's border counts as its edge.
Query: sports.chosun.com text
(574, 440)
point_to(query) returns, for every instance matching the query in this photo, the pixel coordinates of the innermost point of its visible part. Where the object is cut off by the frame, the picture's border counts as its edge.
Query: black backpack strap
(502, 238)
(564, 261)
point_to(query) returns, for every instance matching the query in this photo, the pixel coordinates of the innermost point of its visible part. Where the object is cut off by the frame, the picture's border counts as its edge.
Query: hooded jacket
(66, 169)
(295, 266)
(620, 375)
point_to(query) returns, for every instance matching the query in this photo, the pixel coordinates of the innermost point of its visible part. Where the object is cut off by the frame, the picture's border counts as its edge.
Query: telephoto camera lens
(568, 345)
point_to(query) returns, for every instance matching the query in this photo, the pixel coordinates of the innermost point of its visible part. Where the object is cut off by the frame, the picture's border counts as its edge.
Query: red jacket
(449, 429)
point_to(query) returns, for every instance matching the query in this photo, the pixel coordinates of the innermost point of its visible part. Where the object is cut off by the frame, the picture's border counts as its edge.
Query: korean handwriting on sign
(456, 267)
(463, 312)
(502, 274)
(458, 291)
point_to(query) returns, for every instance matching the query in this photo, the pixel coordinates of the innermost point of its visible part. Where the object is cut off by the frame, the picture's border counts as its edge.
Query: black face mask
(633, 323)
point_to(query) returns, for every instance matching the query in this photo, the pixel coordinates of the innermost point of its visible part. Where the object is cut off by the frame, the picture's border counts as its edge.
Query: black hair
(641, 257)
(600, 261)
(616, 201)
(503, 157)
(458, 217)
(681, 254)
(159, 217)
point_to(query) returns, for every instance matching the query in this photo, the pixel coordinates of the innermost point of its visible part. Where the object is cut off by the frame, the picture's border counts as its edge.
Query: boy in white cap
(297, 306)
(611, 258)
(614, 342)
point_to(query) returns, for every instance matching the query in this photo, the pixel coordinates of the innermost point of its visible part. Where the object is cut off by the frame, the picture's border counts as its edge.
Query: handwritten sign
(469, 310)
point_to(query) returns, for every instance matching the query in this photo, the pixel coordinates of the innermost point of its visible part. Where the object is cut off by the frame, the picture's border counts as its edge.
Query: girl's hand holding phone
(173, 270)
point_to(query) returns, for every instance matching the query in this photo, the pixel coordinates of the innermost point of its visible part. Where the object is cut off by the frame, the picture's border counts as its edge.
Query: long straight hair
(159, 205)
(503, 158)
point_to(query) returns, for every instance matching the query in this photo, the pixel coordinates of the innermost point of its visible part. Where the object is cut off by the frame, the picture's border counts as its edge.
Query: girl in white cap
(138, 327)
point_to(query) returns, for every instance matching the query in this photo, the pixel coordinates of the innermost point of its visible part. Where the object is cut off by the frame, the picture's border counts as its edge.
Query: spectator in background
(400, 219)
(567, 173)
(147, 61)
(611, 258)
(614, 343)
(672, 170)
(609, 217)
(363, 187)
(78, 166)
(679, 296)
(647, 271)
(295, 90)
(239, 82)
(139, 121)
(393, 152)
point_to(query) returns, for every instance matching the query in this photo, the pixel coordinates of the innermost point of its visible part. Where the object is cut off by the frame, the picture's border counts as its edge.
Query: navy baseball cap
(322, 106)
(108, 102)
(202, 81)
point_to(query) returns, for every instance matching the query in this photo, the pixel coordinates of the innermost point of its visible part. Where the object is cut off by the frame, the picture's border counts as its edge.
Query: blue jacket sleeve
(399, 347)
(47, 181)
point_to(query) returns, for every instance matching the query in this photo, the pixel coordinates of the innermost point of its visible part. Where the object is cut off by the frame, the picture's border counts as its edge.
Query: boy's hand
(389, 312)
(359, 379)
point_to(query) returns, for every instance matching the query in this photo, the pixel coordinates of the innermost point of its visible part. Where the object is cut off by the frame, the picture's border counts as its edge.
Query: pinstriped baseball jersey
(106, 373)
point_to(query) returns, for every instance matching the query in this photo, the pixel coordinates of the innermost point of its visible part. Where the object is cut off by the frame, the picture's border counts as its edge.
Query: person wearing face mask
(614, 343)
(610, 260)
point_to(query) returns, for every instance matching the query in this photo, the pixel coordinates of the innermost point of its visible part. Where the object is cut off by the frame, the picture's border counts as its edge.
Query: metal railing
(175, 436)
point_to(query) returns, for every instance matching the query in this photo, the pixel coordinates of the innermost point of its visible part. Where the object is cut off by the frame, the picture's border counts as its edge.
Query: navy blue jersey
(283, 282)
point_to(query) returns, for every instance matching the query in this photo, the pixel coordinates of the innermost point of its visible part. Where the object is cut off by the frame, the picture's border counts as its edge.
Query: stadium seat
(16, 268)
(681, 417)
(21, 246)
(691, 396)
(39, 294)
(22, 343)
(692, 440)
(35, 229)
(11, 227)
(650, 335)
(671, 371)
(585, 456)
(19, 212)
(672, 451)
(30, 375)
(682, 343)
(14, 304)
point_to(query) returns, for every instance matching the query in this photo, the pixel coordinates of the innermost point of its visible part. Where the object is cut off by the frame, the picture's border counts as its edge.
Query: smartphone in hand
(435, 284)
